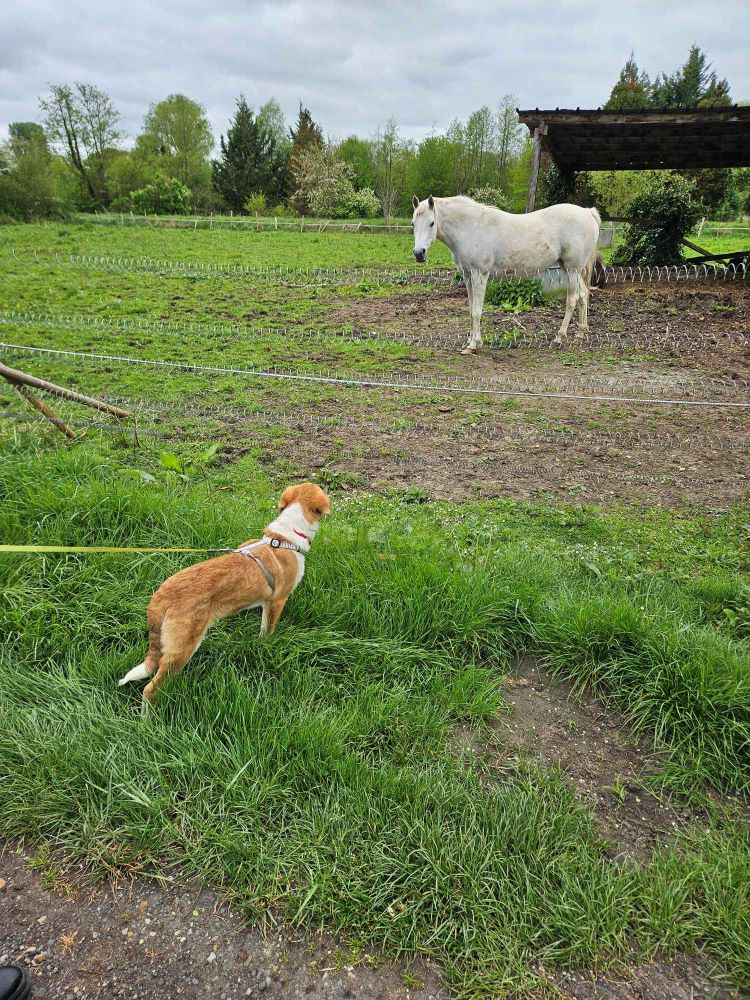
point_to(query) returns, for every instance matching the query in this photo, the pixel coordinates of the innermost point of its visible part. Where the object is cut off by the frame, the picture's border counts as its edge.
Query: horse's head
(424, 225)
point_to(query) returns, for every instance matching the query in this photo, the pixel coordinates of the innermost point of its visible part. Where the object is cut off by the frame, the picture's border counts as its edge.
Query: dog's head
(313, 501)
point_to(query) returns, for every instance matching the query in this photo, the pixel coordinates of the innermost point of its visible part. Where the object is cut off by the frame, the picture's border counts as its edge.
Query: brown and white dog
(263, 575)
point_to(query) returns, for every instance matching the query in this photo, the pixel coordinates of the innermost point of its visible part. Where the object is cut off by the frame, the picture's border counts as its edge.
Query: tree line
(75, 158)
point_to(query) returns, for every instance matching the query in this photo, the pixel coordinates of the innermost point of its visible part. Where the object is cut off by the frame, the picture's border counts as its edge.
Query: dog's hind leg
(147, 668)
(179, 640)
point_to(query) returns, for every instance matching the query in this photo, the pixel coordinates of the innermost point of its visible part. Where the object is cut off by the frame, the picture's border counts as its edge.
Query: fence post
(275, 222)
(702, 223)
(211, 221)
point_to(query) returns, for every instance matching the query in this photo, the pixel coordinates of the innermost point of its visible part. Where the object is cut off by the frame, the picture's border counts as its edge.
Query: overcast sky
(354, 64)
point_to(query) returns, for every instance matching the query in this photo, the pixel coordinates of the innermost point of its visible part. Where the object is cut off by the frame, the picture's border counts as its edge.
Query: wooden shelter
(678, 138)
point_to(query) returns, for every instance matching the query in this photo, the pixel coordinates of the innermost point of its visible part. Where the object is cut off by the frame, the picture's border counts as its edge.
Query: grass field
(316, 776)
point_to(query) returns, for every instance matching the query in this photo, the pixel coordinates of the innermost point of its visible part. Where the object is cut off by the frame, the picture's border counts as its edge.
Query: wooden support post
(16, 377)
(40, 405)
(536, 155)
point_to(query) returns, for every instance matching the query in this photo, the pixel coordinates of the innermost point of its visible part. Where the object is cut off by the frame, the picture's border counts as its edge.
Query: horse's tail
(597, 217)
(593, 269)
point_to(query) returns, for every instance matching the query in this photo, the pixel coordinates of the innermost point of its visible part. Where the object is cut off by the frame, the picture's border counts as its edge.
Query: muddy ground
(648, 342)
(141, 940)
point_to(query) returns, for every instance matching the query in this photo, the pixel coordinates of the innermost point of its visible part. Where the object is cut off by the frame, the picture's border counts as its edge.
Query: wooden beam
(15, 376)
(40, 405)
(536, 155)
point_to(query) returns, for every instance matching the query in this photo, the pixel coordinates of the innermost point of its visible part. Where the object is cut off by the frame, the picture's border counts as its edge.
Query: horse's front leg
(476, 305)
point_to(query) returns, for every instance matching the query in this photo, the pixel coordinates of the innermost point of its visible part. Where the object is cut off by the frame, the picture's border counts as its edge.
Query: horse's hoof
(468, 350)
(558, 341)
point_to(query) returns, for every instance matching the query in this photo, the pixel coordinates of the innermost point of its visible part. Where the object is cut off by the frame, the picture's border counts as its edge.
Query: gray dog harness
(275, 543)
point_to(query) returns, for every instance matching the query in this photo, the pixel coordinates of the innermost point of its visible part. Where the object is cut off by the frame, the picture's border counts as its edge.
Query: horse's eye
(432, 223)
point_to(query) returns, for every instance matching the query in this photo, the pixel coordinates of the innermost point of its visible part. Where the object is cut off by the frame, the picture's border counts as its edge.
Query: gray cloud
(355, 64)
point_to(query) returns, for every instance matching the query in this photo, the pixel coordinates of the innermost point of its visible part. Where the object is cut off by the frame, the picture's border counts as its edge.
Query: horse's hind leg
(570, 304)
(583, 309)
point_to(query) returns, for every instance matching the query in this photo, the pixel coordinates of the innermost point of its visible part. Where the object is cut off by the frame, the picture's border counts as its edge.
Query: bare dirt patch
(144, 942)
(591, 747)
(456, 446)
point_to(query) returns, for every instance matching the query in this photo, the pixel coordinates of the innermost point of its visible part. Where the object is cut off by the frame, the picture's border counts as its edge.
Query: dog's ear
(287, 497)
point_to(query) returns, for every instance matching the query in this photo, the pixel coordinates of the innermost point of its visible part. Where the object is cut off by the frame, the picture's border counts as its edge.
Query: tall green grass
(313, 774)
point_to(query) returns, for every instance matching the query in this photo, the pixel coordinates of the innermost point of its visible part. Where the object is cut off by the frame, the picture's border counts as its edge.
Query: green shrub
(256, 204)
(514, 295)
(164, 195)
(662, 216)
(363, 204)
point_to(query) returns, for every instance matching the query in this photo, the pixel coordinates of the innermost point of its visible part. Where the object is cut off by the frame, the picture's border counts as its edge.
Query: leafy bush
(163, 195)
(363, 204)
(663, 214)
(513, 295)
(256, 204)
(491, 196)
(281, 210)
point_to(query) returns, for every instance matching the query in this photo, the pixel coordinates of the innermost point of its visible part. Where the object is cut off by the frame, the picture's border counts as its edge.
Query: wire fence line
(515, 339)
(237, 418)
(703, 390)
(552, 278)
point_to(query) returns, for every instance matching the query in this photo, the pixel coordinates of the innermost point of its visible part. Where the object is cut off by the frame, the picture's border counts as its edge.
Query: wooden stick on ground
(14, 377)
(40, 405)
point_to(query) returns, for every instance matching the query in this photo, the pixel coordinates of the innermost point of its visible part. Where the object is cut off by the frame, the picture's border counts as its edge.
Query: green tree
(662, 215)
(695, 84)
(433, 168)
(391, 159)
(358, 154)
(305, 135)
(271, 117)
(82, 123)
(176, 133)
(510, 136)
(633, 89)
(21, 133)
(28, 188)
(249, 161)
(324, 182)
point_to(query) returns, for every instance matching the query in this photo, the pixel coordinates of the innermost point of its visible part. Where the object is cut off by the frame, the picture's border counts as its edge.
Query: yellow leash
(95, 548)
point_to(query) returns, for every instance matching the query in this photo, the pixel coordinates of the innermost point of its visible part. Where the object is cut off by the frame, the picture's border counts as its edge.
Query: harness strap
(266, 571)
(275, 543)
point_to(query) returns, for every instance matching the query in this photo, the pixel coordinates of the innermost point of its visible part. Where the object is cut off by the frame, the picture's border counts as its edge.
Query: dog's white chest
(300, 567)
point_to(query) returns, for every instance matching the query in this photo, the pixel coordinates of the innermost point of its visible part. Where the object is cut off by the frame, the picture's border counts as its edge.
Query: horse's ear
(431, 201)
(415, 202)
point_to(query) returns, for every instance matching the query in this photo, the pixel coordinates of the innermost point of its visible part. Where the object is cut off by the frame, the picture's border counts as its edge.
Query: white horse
(485, 242)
